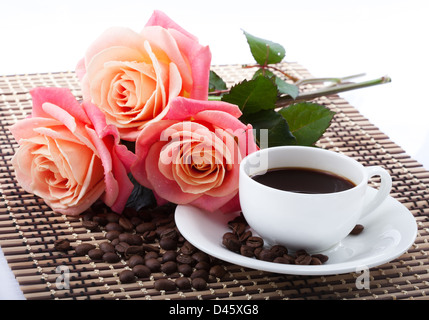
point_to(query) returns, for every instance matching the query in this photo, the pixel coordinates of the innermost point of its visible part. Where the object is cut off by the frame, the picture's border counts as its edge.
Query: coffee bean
(88, 216)
(121, 247)
(283, 260)
(153, 264)
(107, 247)
(227, 235)
(141, 271)
(185, 269)
(125, 223)
(150, 248)
(183, 283)
(96, 254)
(237, 227)
(136, 221)
(151, 255)
(202, 265)
(245, 235)
(200, 274)
(169, 267)
(301, 252)
(112, 217)
(247, 251)
(168, 243)
(62, 245)
(83, 248)
(217, 271)
(125, 237)
(90, 225)
(323, 258)
(145, 226)
(132, 250)
(127, 276)
(113, 234)
(232, 244)
(169, 233)
(111, 257)
(113, 226)
(201, 256)
(149, 236)
(266, 255)
(357, 229)
(100, 219)
(135, 240)
(135, 260)
(164, 284)
(279, 250)
(169, 255)
(184, 258)
(303, 259)
(315, 261)
(257, 252)
(160, 222)
(255, 242)
(199, 284)
(289, 258)
(188, 248)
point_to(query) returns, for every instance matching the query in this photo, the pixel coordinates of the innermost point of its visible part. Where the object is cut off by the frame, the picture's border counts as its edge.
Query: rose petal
(199, 58)
(61, 97)
(159, 18)
(147, 137)
(114, 37)
(165, 188)
(183, 108)
(212, 204)
(24, 129)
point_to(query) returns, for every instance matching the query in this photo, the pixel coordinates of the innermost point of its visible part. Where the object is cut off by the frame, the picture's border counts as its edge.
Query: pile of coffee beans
(149, 241)
(241, 240)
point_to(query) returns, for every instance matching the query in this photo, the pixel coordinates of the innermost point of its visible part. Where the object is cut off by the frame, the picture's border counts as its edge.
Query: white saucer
(388, 233)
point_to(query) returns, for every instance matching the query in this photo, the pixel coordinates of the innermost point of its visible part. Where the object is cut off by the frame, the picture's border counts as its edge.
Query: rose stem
(286, 100)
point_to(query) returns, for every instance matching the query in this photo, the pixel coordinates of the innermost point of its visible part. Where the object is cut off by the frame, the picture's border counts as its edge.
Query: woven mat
(28, 227)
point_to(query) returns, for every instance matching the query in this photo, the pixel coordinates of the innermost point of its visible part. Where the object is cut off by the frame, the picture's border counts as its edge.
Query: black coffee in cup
(303, 180)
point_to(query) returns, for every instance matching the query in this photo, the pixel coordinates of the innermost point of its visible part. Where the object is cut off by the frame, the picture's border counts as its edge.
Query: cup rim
(266, 150)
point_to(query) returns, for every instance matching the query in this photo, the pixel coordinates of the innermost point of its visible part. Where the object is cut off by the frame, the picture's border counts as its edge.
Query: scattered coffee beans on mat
(150, 244)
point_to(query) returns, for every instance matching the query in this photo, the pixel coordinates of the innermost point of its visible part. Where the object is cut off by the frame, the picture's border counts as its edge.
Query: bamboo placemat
(28, 228)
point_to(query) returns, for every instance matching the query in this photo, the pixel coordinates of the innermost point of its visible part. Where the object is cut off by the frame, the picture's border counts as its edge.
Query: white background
(330, 38)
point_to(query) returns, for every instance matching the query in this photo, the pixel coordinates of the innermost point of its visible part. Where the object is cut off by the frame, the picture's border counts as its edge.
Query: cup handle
(383, 191)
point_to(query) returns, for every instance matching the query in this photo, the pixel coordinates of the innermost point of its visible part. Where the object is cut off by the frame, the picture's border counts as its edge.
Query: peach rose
(132, 76)
(68, 156)
(193, 155)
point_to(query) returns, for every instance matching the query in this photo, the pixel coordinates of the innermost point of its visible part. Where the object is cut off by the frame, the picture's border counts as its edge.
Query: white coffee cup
(313, 222)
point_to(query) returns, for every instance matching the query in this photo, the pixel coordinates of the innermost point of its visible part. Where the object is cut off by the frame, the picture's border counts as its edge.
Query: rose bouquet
(155, 123)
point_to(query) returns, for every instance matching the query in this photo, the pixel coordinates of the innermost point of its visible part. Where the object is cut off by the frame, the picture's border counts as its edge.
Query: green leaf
(269, 125)
(265, 51)
(253, 95)
(307, 121)
(216, 82)
(287, 88)
(282, 86)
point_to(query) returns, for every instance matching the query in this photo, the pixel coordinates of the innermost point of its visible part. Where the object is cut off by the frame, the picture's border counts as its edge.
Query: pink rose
(193, 155)
(68, 155)
(132, 76)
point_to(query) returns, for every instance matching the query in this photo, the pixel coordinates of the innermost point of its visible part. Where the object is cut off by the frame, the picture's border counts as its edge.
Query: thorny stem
(294, 79)
(286, 100)
(325, 91)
